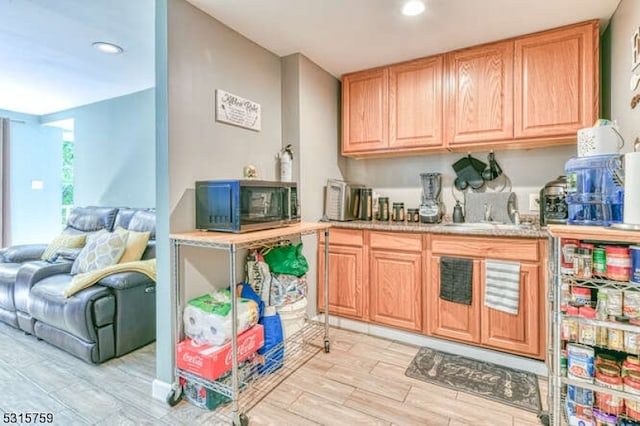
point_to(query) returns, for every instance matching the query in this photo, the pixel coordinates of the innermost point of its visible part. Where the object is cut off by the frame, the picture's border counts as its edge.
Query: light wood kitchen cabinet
(522, 334)
(517, 333)
(365, 111)
(480, 94)
(395, 280)
(450, 320)
(556, 81)
(347, 273)
(531, 91)
(415, 104)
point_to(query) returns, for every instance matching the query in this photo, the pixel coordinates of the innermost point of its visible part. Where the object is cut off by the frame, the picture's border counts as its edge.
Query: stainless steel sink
(489, 225)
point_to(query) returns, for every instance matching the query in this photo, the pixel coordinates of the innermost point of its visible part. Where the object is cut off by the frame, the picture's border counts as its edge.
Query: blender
(431, 206)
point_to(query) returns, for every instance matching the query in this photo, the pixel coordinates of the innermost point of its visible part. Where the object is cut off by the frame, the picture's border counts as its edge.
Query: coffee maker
(431, 205)
(553, 203)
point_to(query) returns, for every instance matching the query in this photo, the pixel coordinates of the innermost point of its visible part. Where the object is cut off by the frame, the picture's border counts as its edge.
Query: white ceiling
(47, 63)
(350, 35)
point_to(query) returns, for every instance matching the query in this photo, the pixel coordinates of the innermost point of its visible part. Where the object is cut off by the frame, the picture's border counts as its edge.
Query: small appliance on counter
(553, 202)
(601, 139)
(245, 205)
(595, 191)
(431, 205)
(342, 200)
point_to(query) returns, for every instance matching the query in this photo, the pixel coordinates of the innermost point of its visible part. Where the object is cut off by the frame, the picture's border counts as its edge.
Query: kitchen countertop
(534, 231)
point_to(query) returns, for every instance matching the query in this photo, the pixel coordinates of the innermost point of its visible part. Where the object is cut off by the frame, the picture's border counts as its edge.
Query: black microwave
(245, 205)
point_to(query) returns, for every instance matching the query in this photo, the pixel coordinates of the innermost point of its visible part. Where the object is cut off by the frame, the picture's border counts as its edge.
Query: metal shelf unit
(247, 389)
(557, 279)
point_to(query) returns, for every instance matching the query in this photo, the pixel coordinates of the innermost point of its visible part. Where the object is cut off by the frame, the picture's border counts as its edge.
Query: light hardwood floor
(361, 381)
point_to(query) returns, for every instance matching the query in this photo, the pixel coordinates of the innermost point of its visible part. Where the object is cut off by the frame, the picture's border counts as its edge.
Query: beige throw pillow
(136, 244)
(63, 241)
(100, 252)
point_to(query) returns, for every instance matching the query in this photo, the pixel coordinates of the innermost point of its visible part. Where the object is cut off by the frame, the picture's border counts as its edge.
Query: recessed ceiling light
(413, 8)
(106, 47)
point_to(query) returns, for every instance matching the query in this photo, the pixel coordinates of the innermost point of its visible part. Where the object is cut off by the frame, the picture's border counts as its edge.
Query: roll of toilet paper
(632, 188)
(193, 321)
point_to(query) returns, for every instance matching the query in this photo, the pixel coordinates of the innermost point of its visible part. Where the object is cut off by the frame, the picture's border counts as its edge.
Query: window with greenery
(67, 175)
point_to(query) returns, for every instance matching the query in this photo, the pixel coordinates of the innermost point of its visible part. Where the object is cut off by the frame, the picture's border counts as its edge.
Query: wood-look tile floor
(361, 381)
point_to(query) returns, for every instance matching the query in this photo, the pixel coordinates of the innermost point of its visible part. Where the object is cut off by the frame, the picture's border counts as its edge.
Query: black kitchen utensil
(469, 173)
(493, 170)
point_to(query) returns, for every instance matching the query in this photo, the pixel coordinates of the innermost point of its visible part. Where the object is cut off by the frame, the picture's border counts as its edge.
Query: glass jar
(383, 209)
(587, 332)
(569, 328)
(413, 215)
(582, 263)
(397, 213)
(608, 376)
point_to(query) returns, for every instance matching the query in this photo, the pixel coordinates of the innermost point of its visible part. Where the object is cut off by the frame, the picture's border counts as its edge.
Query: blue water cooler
(595, 192)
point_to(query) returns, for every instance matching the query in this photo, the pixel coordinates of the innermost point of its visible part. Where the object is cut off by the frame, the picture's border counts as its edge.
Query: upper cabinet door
(365, 111)
(480, 93)
(556, 81)
(415, 104)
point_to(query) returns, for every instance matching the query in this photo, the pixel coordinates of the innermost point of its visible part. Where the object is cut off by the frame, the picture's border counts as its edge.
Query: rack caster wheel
(174, 396)
(544, 419)
(326, 346)
(241, 420)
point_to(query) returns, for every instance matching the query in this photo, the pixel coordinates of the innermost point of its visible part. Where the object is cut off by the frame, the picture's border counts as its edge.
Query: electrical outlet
(534, 202)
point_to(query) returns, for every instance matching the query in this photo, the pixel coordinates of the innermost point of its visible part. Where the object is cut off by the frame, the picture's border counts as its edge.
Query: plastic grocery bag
(287, 260)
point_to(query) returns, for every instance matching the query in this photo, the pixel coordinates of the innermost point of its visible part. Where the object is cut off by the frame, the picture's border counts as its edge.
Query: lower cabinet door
(521, 333)
(451, 320)
(345, 281)
(396, 288)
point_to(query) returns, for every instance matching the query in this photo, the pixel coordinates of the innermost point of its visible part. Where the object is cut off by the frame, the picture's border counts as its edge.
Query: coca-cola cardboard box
(211, 362)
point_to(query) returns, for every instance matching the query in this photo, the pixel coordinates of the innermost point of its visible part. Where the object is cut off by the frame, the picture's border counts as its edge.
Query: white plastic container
(293, 316)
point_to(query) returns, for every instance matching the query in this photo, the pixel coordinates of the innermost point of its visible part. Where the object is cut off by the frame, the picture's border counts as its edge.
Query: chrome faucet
(487, 212)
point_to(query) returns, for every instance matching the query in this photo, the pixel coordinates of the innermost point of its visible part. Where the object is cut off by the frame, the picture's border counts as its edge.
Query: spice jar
(383, 209)
(582, 263)
(397, 213)
(580, 295)
(608, 376)
(618, 263)
(569, 328)
(413, 215)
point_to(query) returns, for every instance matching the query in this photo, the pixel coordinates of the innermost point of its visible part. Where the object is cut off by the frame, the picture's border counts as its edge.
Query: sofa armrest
(126, 280)
(22, 253)
(30, 273)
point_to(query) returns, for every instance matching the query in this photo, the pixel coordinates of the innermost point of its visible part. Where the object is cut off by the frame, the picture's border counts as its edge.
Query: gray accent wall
(114, 162)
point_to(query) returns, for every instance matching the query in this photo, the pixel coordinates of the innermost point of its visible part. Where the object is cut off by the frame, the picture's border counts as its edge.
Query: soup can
(634, 252)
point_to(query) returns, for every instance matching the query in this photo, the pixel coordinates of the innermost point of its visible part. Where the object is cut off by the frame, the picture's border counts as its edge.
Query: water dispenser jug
(595, 193)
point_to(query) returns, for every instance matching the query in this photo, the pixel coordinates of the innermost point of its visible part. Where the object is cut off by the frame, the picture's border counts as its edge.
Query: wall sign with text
(233, 109)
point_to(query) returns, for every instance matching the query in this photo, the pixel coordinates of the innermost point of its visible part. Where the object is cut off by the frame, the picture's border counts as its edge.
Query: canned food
(608, 376)
(618, 263)
(634, 252)
(599, 262)
(580, 362)
(632, 386)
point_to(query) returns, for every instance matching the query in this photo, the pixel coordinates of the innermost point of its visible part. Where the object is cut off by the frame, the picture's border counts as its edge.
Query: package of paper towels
(631, 212)
(208, 319)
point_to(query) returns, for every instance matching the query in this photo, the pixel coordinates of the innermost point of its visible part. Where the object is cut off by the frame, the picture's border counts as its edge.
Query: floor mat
(505, 385)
